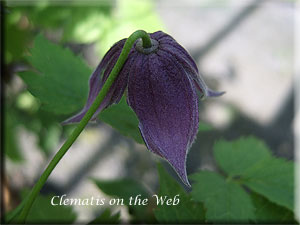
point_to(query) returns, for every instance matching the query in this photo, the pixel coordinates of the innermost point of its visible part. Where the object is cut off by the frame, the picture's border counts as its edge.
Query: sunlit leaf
(225, 201)
(274, 179)
(236, 157)
(61, 82)
(251, 160)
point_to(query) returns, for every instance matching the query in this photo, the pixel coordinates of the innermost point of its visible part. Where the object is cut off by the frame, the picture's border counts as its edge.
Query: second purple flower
(161, 82)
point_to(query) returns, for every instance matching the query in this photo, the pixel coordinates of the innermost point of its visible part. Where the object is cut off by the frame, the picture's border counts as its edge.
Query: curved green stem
(62, 151)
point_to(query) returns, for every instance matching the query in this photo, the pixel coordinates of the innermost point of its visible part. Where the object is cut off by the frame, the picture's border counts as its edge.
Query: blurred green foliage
(11, 144)
(102, 23)
(43, 212)
(17, 35)
(107, 217)
(124, 189)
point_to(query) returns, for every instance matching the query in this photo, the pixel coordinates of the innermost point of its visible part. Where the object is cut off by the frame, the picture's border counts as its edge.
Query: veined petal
(181, 60)
(121, 82)
(186, 72)
(159, 35)
(169, 44)
(164, 99)
(80, 115)
(97, 81)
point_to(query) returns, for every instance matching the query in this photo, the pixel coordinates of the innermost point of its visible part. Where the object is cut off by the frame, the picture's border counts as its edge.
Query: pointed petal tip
(72, 120)
(63, 123)
(181, 172)
(183, 178)
(77, 118)
(187, 183)
(211, 93)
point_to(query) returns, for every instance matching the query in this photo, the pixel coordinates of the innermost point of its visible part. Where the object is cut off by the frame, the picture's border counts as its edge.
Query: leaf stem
(76, 132)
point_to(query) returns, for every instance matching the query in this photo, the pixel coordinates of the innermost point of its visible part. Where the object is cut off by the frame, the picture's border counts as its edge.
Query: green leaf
(124, 189)
(251, 160)
(107, 218)
(187, 211)
(61, 83)
(274, 179)
(121, 117)
(224, 200)
(236, 157)
(268, 212)
(42, 211)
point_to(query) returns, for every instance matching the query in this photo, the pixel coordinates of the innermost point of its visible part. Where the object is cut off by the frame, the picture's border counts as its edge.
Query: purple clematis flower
(162, 81)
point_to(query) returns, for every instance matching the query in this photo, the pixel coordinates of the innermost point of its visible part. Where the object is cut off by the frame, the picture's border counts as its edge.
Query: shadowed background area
(242, 47)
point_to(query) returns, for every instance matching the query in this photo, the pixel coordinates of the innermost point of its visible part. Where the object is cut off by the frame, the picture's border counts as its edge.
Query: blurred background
(245, 48)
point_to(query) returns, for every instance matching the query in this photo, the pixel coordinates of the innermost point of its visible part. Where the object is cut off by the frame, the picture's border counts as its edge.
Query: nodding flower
(162, 83)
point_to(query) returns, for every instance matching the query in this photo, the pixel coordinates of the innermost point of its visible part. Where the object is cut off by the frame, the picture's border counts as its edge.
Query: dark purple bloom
(162, 82)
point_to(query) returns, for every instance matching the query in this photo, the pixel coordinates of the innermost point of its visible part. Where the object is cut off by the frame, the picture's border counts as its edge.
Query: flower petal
(168, 44)
(159, 35)
(195, 117)
(97, 81)
(165, 101)
(121, 82)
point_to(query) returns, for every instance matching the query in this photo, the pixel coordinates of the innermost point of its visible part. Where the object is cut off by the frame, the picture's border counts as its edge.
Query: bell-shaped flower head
(162, 81)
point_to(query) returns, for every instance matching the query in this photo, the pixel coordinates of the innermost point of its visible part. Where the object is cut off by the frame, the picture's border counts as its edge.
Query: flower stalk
(84, 121)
